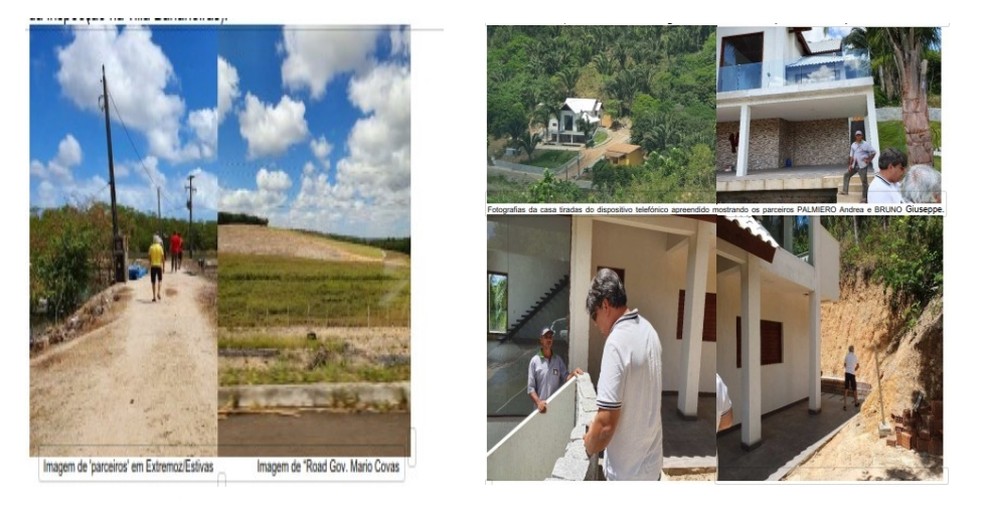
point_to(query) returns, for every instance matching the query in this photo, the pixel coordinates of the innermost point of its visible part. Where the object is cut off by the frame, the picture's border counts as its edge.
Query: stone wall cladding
(575, 465)
(773, 141)
(786, 145)
(763, 144)
(723, 155)
(823, 142)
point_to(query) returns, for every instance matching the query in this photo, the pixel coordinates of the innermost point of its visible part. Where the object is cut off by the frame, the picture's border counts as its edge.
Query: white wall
(783, 383)
(654, 278)
(530, 451)
(828, 264)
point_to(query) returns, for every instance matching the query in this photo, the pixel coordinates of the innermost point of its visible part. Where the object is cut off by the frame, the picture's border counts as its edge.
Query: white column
(744, 128)
(581, 275)
(814, 351)
(871, 125)
(698, 253)
(751, 349)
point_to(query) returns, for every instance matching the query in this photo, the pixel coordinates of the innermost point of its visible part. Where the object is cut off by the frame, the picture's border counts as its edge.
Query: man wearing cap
(859, 162)
(547, 372)
(628, 425)
(156, 256)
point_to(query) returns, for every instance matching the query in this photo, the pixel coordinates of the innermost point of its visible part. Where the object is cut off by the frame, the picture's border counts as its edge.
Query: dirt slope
(143, 384)
(256, 239)
(909, 362)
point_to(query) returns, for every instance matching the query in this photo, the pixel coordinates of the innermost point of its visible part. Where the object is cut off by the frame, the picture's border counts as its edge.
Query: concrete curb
(354, 396)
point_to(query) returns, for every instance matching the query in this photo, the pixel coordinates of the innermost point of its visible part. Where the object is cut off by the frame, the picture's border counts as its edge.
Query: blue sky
(162, 84)
(306, 126)
(314, 127)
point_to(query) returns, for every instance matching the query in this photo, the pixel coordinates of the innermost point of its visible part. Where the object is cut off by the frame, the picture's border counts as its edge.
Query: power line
(140, 157)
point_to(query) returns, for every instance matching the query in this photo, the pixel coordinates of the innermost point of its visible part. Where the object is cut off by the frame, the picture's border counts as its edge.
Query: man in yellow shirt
(156, 256)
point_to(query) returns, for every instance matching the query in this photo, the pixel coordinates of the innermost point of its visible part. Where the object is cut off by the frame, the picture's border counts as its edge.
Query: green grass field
(257, 291)
(301, 360)
(550, 159)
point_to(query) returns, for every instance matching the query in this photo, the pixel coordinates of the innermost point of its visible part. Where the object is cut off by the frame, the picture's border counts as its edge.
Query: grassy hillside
(264, 290)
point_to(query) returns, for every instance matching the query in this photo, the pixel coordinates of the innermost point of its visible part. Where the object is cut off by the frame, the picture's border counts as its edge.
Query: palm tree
(585, 126)
(567, 79)
(604, 63)
(528, 143)
(905, 47)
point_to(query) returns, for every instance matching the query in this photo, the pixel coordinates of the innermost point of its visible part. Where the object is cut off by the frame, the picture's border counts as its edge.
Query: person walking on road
(156, 256)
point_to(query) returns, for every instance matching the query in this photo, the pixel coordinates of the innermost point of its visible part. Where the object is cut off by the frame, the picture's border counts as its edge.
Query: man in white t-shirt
(850, 380)
(628, 426)
(886, 187)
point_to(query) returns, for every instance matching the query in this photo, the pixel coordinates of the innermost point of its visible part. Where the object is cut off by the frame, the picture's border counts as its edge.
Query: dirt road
(142, 385)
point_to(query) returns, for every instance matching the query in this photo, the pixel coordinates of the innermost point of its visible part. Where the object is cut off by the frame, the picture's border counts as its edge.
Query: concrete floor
(689, 443)
(789, 437)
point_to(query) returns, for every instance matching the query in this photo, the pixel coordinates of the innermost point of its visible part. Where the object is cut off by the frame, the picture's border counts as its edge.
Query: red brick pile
(921, 429)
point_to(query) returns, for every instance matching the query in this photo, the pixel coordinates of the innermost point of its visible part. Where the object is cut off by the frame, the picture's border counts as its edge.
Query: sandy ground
(909, 363)
(857, 454)
(143, 384)
(256, 239)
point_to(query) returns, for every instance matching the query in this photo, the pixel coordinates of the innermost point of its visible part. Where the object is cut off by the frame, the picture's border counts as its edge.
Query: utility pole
(160, 220)
(119, 264)
(191, 242)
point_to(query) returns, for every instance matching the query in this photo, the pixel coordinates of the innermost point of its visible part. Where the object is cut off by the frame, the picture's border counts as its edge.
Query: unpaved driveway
(144, 384)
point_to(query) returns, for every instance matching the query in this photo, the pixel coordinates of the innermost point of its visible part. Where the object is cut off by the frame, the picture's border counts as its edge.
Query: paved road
(315, 433)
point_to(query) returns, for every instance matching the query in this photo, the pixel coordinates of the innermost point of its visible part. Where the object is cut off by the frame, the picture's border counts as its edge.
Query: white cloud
(204, 124)
(228, 88)
(316, 55)
(379, 145)
(271, 192)
(150, 174)
(207, 189)
(59, 168)
(137, 74)
(400, 41)
(371, 192)
(270, 130)
(321, 149)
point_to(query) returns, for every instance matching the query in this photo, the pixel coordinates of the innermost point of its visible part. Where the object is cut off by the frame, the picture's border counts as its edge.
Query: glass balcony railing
(819, 69)
(740, 77)
(812, 69)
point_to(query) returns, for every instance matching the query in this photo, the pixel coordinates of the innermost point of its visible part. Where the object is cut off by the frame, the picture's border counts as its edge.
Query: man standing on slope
(850, 380)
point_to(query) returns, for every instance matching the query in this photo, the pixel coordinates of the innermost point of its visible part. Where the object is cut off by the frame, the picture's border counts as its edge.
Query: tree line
(71, 249)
